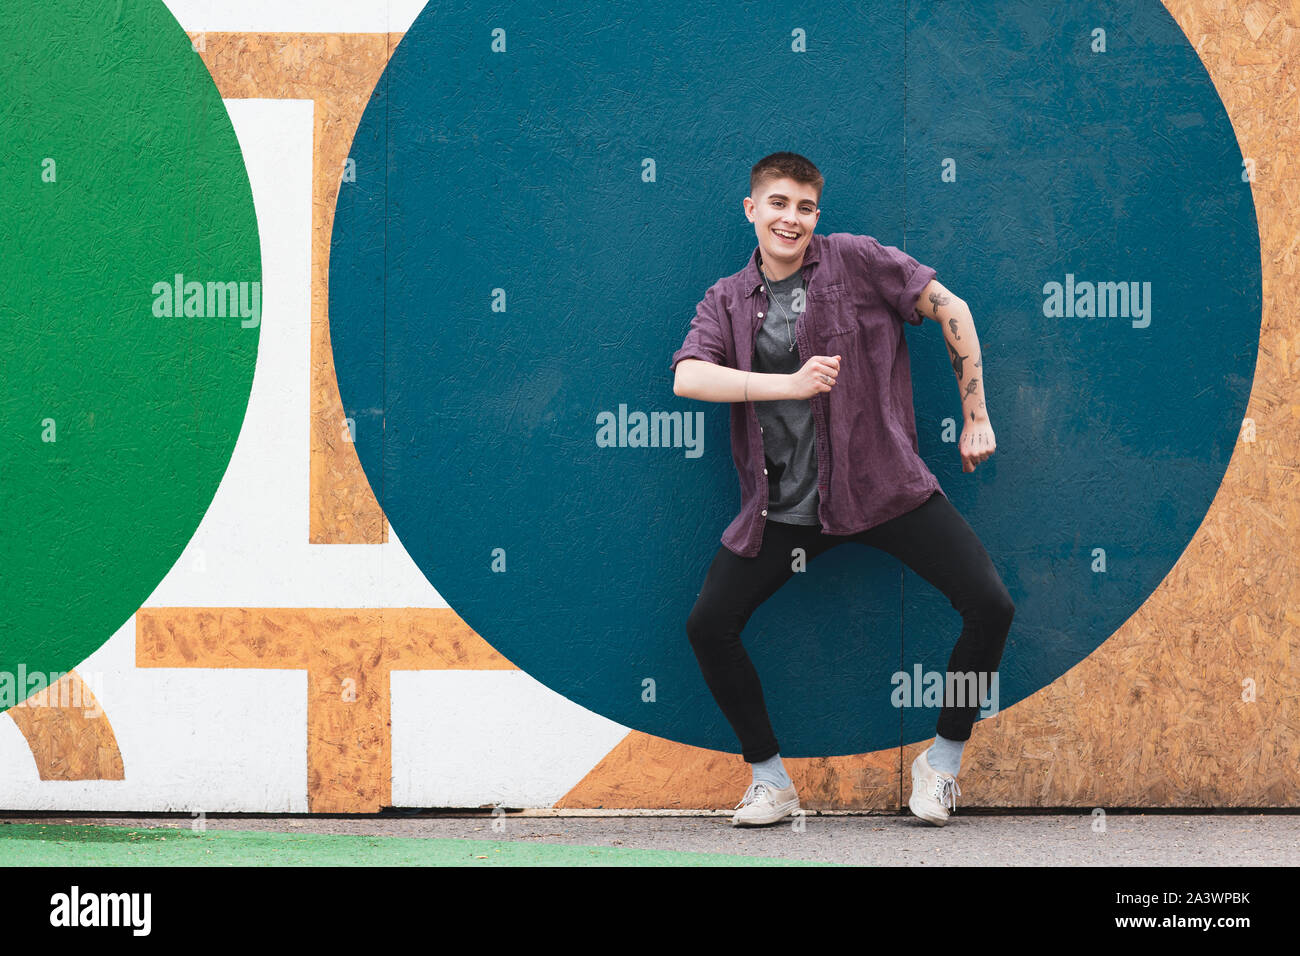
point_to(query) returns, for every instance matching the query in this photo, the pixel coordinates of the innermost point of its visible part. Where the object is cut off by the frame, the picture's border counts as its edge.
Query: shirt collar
(753, 279)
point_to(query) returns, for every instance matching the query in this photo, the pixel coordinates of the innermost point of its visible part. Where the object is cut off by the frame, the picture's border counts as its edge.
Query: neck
(778, 271)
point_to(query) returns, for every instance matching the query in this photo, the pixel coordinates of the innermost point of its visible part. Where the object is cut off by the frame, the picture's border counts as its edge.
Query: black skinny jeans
(932, 539)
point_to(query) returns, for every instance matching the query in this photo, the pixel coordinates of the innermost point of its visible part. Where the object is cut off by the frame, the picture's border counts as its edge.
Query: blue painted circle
(518, 178)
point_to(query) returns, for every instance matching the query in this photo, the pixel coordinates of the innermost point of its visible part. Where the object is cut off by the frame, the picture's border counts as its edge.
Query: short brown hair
(785, 165)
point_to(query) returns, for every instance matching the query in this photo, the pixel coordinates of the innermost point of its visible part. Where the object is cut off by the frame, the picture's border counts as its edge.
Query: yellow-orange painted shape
(69, 734)
(647, 771)
(1175, 731)
(337, 72)
(347, 654)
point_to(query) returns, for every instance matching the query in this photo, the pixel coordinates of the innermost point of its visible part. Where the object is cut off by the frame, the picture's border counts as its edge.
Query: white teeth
(788, 235)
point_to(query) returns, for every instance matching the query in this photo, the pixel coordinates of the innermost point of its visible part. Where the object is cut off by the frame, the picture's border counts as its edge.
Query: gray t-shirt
(789, 442)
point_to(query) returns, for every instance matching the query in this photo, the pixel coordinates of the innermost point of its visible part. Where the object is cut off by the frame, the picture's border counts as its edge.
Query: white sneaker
(934, 793)
(763, 804)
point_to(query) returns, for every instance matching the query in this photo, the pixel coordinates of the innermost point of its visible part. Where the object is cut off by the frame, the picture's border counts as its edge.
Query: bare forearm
(966, 357)
(717, 383)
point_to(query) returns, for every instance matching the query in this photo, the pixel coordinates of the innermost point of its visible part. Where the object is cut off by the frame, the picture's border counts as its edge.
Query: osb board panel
(347, 654)
(68, 732)
(338, 72)
(646, 771)
(1154, 717)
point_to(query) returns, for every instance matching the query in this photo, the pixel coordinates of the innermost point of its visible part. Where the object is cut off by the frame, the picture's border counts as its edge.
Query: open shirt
(859, 294)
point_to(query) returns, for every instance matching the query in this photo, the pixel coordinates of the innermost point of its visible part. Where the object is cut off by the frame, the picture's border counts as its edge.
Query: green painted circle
(146, 182)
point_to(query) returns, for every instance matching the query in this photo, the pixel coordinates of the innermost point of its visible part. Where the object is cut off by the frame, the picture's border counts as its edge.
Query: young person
(806, 342)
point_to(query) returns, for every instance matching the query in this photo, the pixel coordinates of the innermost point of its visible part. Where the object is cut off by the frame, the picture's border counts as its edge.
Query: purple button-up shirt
(859, 294)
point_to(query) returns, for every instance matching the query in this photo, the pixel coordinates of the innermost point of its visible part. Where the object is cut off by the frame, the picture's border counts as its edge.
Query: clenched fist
(817, 375)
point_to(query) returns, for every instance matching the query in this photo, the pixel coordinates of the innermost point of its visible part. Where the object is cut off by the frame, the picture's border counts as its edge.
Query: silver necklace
(771, 300)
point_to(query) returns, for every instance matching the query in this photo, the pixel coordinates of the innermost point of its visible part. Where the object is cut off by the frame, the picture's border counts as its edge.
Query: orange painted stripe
(69, 734)
(646, 771)
(347, 653)
(337, 72)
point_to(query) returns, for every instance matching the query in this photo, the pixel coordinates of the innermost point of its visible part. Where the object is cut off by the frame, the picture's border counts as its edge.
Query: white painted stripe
(296, 16)
(234, 740)
(222, 740)
(192, 740)
(483, 738)
(251, 549)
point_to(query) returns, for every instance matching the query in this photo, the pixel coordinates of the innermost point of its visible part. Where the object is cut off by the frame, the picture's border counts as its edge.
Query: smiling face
(784, 215)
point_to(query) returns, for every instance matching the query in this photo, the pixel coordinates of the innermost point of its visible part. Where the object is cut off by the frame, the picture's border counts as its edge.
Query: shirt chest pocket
(848, 344)
(839, 331)
(834, 318)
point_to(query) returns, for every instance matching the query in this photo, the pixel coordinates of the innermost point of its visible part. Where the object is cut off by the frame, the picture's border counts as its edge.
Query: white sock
(771, 771)
(944, 755)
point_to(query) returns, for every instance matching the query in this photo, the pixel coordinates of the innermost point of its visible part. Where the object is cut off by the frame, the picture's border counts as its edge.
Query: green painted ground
(36, 844)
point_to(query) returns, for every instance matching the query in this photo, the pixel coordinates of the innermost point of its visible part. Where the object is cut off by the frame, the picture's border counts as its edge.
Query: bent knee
(994, 606)
(705, 625)
(701, 626)
(999, 607)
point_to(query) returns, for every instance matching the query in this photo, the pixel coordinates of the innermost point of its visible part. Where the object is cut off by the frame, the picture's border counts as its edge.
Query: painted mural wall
(313, 315)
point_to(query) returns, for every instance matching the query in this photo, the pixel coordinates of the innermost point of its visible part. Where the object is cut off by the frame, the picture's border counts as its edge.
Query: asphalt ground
(973, 838)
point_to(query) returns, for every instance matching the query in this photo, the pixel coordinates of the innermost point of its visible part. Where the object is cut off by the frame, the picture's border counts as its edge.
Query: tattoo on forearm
(956, 359)
(970, 388)
(952, 327)
(939, 298)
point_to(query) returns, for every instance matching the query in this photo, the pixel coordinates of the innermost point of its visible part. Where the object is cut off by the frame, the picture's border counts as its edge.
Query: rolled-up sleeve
(897, 277)
(707, 337)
